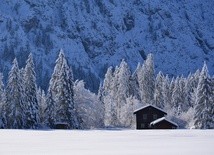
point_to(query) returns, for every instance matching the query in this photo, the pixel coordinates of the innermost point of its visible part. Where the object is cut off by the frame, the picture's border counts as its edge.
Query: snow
(161, 119)
(109, 142)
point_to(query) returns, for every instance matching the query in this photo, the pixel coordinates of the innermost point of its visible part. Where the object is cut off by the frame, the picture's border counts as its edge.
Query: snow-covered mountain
(96, 34)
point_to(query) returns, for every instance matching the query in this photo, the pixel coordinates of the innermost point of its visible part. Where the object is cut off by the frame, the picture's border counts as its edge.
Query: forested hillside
(96, 34)
(189, 101)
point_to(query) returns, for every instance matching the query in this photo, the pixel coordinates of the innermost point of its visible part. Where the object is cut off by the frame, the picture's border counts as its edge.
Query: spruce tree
(176, 97)
(14, 108)
(41, 98)
(134, 85)
(189, 90)
(2, 102)
(117, 90)
(61, 88)
(192, 85)
(31, 103)
(159, 91)
(146, 79)
(166, 93)
(184, 106)
(123, 93)
(204, 101)
(49, 112)
(107, 98)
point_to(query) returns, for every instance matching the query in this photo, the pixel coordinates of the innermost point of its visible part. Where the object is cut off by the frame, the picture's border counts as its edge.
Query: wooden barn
(152, 117)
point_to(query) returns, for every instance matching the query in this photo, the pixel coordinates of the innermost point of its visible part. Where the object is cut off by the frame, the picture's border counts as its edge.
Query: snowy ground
(108, 142)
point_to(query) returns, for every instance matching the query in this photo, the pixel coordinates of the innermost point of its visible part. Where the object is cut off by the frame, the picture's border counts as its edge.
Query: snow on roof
(149, 105)
(161, 119)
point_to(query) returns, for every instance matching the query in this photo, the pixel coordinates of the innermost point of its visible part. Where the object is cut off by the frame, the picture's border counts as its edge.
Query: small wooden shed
(152, 117)
(61, 125)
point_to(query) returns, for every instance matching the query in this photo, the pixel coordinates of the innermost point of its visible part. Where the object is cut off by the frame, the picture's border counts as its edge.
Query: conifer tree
(14, 108)
(204, 101)
(107, 97)
(49, 112)
(192, 88)
(146, 79)
(140, 80)
(159, 91)
(184, 106)
(2, 102)
(166, 93)
(116, 90)
(123, 92)
(176, 97)
(31, 103)
(61, 88)
(41, 98)
(134, 84)
(189, 89)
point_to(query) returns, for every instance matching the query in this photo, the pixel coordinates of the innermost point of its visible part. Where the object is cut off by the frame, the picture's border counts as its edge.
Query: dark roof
(159, 109)
(162, 119)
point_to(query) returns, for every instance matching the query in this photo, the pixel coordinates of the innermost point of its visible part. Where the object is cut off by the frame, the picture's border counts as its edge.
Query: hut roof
(162, 119)
(149, 105)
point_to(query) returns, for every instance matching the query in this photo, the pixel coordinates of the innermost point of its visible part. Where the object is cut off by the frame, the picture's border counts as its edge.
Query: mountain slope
(96, 34)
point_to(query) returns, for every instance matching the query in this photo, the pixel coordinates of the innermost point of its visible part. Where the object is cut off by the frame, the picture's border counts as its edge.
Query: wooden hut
(61, 125)
(152, 117)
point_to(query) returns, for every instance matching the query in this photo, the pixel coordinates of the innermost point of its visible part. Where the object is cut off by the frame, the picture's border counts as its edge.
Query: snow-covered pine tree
(107, 99)
(108, 82)
(61, 88)
(166, 93)
(184, 106)
(49, 118)
(65, 108)
(14, 108)
(190, 88)
(159, 92)
(41, 98)
(140, 80)
(30, 88)
(2, 102)
(192, 85)
(146, 81)
(171, 88)
(116, 94)
(100, 93)
(204, 105)
(49, 112)
(123, 92)
(211, 125)
(134, 85)
(176, 97)
(110, 114)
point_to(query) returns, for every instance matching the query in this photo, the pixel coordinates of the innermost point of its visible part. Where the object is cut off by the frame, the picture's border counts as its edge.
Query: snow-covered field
(108, 142)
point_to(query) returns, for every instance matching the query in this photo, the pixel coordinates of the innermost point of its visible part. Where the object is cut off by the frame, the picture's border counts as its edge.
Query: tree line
(25, 106)
(189, 101)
